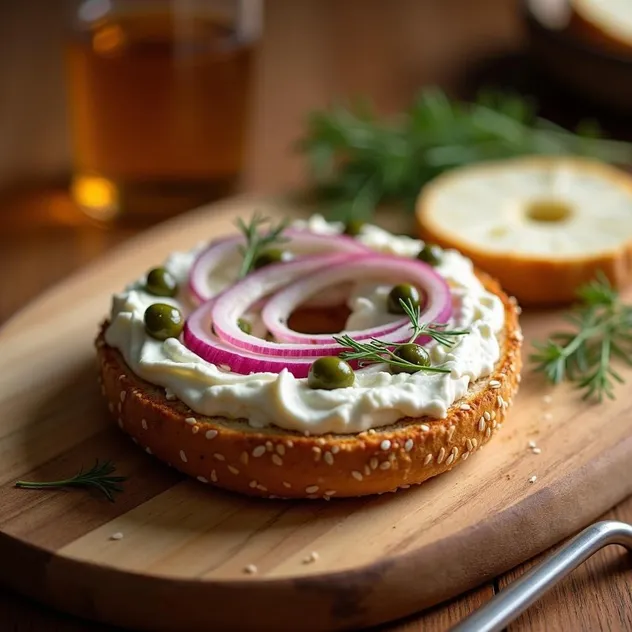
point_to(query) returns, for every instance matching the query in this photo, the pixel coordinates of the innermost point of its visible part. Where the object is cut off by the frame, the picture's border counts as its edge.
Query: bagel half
(273, 462)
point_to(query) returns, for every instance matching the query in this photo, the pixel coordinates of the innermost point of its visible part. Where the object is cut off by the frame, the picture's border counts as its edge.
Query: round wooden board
(180, 564)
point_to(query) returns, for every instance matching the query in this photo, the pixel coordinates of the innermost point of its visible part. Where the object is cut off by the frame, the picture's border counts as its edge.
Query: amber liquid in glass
(158, 110)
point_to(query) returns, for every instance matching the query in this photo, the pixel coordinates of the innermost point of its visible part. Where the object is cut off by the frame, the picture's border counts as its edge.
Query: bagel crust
(273, 462)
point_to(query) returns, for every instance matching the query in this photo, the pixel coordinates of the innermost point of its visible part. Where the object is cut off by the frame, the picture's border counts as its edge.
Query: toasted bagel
(273, 462)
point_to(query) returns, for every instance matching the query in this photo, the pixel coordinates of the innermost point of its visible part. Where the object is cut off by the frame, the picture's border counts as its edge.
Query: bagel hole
(548, 211)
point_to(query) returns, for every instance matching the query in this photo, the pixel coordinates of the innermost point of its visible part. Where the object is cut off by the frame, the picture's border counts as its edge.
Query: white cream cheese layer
(377, 398)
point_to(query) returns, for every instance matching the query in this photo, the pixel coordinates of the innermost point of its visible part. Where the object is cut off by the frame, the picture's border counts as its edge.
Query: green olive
(430, 254)
(329, 373)
(354, 227)
(272, 255)
(244, 325)
(160, 282)
(412, 353)
(405, 292)
(163, 321)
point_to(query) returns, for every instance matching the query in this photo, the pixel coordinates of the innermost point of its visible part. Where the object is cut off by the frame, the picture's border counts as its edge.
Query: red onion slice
(300, 241)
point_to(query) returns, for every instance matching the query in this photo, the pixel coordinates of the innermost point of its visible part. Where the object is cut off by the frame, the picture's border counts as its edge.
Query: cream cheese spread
(377, 398)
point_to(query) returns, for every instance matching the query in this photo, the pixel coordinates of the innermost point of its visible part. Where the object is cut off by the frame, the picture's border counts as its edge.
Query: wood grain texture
(445, 534)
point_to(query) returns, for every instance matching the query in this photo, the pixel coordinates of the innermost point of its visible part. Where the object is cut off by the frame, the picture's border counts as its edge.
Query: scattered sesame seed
(191, 421)
(488, 433)
(441, 455)
(120, 422)
(428, 459)
(494, 384)
(451, 431)
(211, 434)
(244, 458)
(251, 569)
(148, 450)
(481, 424)
(260, 450)
(474, 443)
(317, 453)
(465, 455)
(224, 368)
(111, 407)
(547, 399)
(469, 445)
(219, 457)
(335, 449)
(493, 414)
(385, 445)
(465, 407)
(531, 444)
(371, 431)
(500, 401)
(547, 417)
(183, 456)
(280, 449)
(487, 416)
(536, 451)
(424, 427)
(121, 377)
(494, 423)
(214, 476)
(120, 407)
(195, 429)
(321, 441)
(312, 489)
(367, 470)
(269, 446)
(252, 484)
(277, 460)
(233, 470)
(408, 446)
(289, 444)
(123, 394)
(135, 440)
(330, 492)
(455, 452)
(533, 479)
(518, 378)
(116, 536)
(329, 458)
(262, 488)
(202, 479)
(385, 465)
(357, 475)
(286, 484)
(450, 459)
(312, 557)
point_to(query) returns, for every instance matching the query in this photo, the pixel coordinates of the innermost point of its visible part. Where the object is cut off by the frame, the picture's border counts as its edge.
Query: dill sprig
(601, 330)
(98, 477)
(359, 160)
(384, 352)
(260, 233)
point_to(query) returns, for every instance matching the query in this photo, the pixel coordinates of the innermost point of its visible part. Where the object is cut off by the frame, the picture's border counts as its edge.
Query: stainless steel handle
(516, 598)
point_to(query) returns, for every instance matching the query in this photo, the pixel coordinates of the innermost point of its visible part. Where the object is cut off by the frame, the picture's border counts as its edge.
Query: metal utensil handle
(516, 598)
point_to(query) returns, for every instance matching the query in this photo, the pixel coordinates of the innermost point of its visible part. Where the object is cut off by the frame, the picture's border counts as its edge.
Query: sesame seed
(286, 484)
(441, 455)
(481, 424)
(224, 368)
(465, 455)
(408, 446)
(451, 431)
(493, 414)
(148, 450)
(121, 377)
(385, 465)
(312, 557)
(269, 446)
(123, 394)
(214, 476)
(371, 431)
(488, 433)
(357, 475)
(464, 407)
(202, 479)
(262, 488)
(312, 489)
(277, 460)
(289, 444)
(252, 484)
(474, 443)
(183, 456)
(211, 434)
(329, 458)
(428, 459)
(518, 378)
(116, 536)
(487, 416)
(191, 421)
(455, 452)
(547, 399)
(367, 470)
(330, 492)
(533, 479)
(547, 417)
(244, 458)
(251, 569)
(120, 407)
(233, 470)
(120, 422)
(469, 445)
(385, 445)
(321, 441)
(335, 449)
(195, 429)
(317, 453)
(536, 451)
(260, 450)
(494, 384)
(500, 401)
(280, 449)
(494, 423)
(135, 440)
(531, 444)
(450, 459)
(424, 427)
(111, 407)
(219, 457)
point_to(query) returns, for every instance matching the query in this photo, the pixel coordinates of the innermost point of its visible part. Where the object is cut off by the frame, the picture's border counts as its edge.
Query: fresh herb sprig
(601, 330)
(384, 352)
(260, 233)
(98, 477)
(359, 160)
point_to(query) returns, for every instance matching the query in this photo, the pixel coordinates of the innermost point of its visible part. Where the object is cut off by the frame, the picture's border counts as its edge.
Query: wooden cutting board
(180, 564)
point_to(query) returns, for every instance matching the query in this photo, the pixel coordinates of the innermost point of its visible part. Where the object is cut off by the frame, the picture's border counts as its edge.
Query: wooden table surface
(598, 596)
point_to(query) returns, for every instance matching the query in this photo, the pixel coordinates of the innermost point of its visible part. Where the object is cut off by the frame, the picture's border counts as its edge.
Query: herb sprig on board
(377, 351)
(99, 477)
(600, 332)
(359, 160)
(260, 233)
